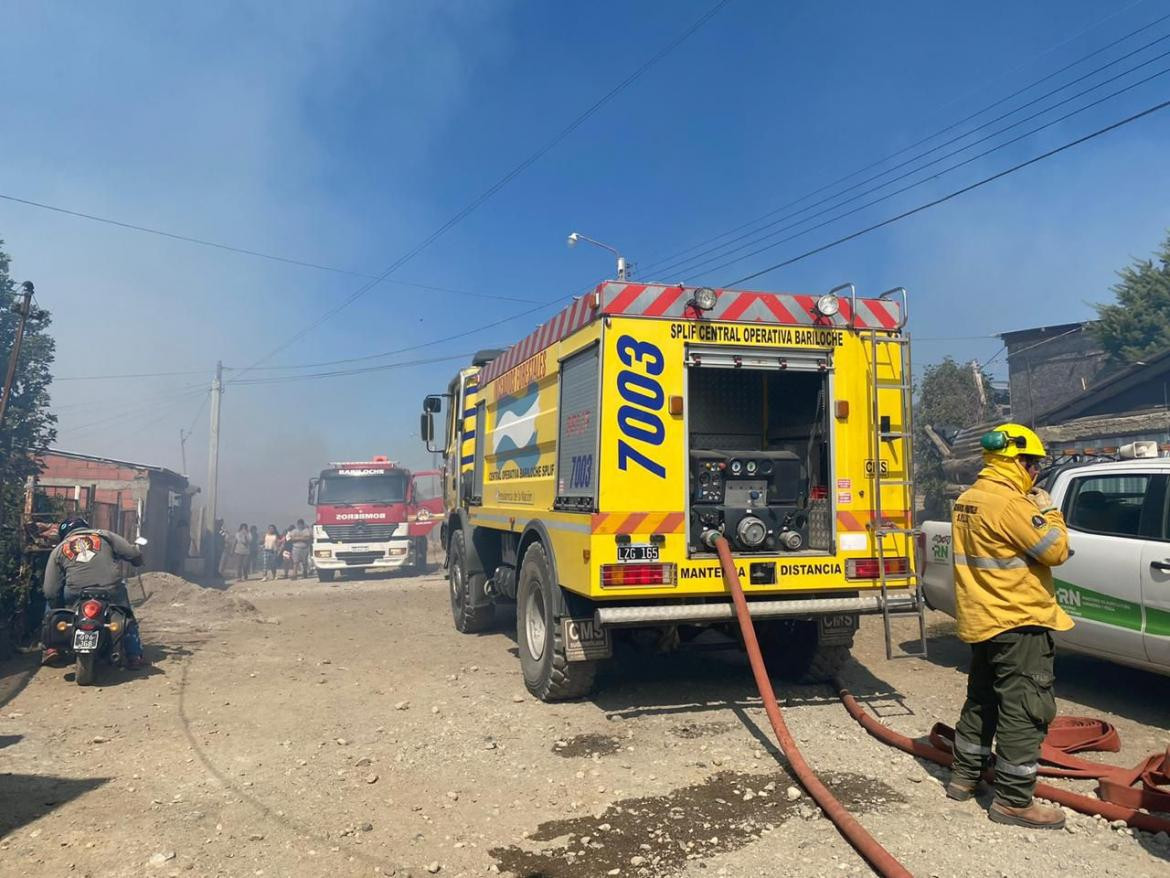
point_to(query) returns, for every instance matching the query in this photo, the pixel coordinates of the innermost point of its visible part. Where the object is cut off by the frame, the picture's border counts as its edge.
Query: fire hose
(1067, 735)
(878, 857)
(1115, 783)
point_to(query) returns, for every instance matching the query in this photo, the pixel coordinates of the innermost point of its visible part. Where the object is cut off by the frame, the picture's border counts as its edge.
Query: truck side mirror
(427, 427)
(433, 403)
(313, 485)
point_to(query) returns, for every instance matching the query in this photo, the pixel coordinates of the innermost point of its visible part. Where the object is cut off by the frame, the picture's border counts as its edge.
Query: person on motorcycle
(89, 558)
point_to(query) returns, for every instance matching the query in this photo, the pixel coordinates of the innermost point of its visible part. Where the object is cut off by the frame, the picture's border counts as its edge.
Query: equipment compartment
(758, 447)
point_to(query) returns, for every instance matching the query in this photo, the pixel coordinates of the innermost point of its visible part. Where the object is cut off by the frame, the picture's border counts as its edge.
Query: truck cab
(370, 516)
(1116, 585)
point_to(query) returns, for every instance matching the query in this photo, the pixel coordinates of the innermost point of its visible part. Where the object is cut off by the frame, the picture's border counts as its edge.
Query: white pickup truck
(1116, 585)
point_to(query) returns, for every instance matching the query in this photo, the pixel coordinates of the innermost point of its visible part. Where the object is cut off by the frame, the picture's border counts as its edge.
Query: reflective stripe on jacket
(1003, 549)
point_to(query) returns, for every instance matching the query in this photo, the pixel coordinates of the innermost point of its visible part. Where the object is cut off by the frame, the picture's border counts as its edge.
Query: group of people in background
(247, 551)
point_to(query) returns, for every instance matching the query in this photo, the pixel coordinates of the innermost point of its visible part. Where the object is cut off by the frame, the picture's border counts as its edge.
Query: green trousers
(1010, 701)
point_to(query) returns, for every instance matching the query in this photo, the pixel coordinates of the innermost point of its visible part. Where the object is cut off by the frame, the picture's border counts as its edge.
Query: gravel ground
(293, 728)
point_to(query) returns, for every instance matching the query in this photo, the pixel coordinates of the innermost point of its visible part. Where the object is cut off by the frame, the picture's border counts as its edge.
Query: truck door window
(1108, 504)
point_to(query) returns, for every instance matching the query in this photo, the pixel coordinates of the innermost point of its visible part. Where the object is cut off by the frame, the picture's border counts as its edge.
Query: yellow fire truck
(590, 466)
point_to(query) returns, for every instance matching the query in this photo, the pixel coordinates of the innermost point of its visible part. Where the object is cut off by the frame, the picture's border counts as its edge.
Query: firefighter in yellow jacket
(1007, 535)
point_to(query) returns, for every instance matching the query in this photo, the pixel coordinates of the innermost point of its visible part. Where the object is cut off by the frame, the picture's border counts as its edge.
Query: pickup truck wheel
(470, 608)
(540, 606)
(793, 652)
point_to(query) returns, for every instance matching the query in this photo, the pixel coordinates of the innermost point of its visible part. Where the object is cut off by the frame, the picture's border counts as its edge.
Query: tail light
(920, 545)
(91, 609)
(819, 492)
(869, 568)
(631, 575)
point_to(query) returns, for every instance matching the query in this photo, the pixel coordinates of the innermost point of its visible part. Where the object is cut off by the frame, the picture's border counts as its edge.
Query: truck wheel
(540, 605)
(86, 668)
(470, 607)
(793, 652)
(325, 575)
(420, 555)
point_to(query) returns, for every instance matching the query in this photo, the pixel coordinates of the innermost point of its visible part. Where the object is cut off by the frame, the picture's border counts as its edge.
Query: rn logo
(1068, 597)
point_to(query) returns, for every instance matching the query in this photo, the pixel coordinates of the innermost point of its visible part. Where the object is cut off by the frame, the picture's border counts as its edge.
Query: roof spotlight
(705, 298)
(828, 305)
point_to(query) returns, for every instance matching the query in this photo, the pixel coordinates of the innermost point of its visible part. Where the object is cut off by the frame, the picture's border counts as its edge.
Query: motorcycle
(91, 630)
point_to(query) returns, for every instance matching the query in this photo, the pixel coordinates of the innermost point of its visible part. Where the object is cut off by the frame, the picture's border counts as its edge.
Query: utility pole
(23, 309)
(183, 449)
(213, 467)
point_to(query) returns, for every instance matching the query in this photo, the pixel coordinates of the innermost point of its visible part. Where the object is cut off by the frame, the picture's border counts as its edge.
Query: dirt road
(302, 729)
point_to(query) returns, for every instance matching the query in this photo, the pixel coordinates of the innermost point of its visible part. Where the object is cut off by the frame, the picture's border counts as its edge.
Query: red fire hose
(877, 856)
(1084, 804)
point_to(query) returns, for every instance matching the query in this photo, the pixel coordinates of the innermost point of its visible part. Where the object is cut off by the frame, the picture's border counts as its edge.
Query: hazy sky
(344, 133)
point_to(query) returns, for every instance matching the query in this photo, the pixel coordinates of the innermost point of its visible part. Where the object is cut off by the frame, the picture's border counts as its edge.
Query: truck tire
(419, 551)
(471, 610)
(540, 605)
(325, 575)
(793, 652)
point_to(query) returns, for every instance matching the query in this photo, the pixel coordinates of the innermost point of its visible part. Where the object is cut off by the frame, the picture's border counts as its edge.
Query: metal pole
(183, 448)
(13, 358)
(213, 467)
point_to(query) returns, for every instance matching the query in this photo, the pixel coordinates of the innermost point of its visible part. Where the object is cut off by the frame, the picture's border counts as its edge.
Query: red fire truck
(373, 515)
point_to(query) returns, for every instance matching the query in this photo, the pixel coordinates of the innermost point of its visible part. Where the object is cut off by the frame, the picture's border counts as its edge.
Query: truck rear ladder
(888, 376)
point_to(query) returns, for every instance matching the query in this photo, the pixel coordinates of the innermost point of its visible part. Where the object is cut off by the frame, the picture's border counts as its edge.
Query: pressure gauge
(750, 466)
(736, 467)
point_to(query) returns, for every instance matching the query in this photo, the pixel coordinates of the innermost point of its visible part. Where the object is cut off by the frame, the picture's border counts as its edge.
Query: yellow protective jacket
(1004, 548)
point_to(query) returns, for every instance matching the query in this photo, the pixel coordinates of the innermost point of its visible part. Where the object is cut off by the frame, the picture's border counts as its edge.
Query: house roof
(73, 455)
(1131, 376)
(1055, 329)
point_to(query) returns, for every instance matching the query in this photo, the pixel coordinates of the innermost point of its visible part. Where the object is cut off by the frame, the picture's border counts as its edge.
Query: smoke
(303, 133)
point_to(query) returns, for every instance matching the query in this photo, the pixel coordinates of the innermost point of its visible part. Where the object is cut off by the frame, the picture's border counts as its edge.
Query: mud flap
(838, 630)
(585, 640)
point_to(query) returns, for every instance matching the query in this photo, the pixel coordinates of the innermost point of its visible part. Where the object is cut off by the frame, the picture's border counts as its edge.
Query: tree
(26, 433)
(949, 398)
(1137, 325)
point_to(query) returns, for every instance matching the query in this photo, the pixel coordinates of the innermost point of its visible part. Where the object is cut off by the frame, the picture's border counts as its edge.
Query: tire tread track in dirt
(268, 812)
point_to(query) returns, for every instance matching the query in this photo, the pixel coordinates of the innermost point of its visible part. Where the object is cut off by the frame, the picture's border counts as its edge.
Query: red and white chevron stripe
(674, 302)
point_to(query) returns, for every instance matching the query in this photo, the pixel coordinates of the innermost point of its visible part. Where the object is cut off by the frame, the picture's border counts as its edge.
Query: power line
(416, 347)
(476, 202)
(294, 379)
(198, 412)
(951, 195)
(704, 268)
(1092, 27)
(164, 394)
(656, 266)
(130, 375)
(138, 407)
(243, 251)
(756, 237)
(163, 233)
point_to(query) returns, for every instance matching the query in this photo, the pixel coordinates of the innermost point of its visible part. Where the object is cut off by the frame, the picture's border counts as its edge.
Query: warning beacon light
(705, 298)
(828, 305)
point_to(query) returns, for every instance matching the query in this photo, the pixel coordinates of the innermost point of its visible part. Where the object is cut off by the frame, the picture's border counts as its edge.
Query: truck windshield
(384, 488)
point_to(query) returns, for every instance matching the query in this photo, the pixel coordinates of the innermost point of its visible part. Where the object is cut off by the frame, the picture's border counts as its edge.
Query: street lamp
(623, 270)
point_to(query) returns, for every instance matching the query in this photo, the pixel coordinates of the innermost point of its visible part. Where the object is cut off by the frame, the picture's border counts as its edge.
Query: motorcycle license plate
(85, 641)
(638, 552)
